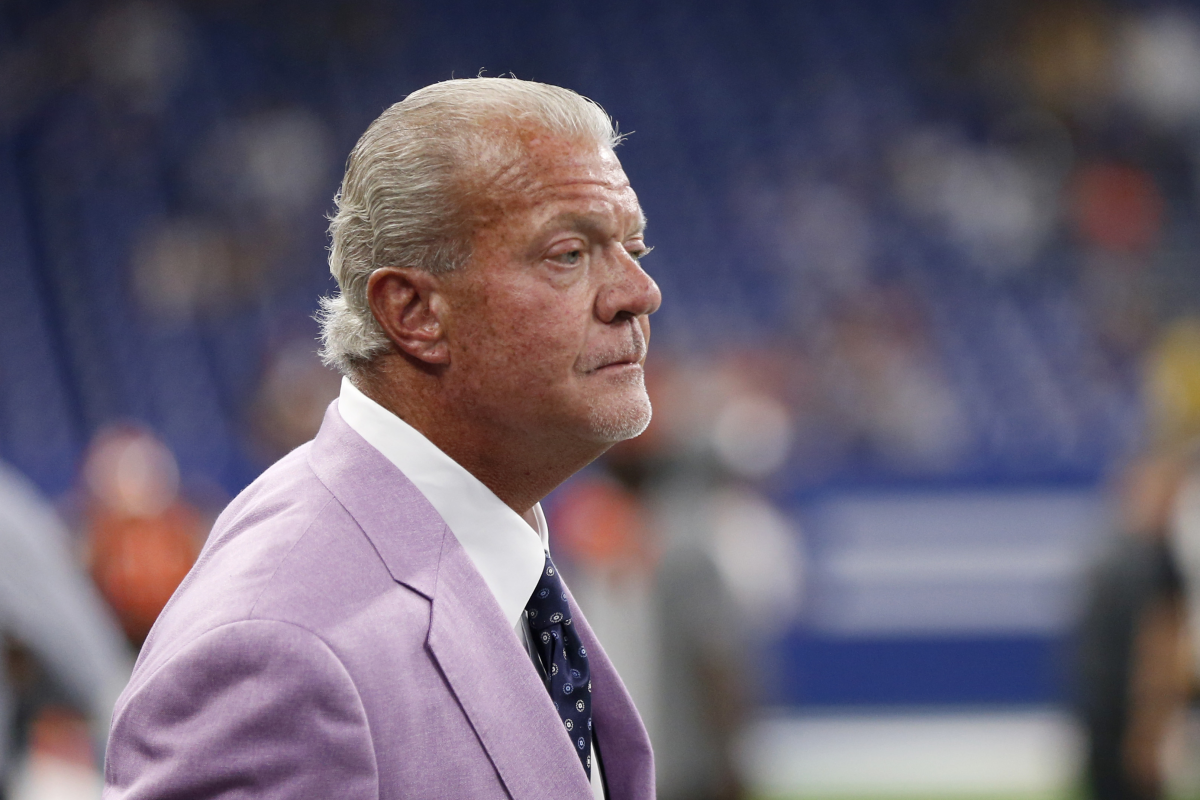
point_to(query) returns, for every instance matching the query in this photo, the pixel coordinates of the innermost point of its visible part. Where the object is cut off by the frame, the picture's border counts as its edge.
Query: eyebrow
(590, 222)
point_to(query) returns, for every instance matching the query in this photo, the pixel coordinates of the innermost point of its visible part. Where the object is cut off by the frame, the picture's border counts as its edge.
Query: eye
(571, 252)
(639, 252)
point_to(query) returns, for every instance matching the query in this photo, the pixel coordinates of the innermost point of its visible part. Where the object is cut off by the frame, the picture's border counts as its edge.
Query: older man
(377, 615)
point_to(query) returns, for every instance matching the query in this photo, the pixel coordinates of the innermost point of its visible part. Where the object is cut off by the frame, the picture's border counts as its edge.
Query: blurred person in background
(378, 613)
(667, 617)
(1133, 676)
(62, 646)
(142, 537)
(686, 567)
(1173, 392)
(1135, 669)
(730, 571)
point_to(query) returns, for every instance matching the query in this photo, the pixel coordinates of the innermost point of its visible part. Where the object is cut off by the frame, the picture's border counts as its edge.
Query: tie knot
(548, 604)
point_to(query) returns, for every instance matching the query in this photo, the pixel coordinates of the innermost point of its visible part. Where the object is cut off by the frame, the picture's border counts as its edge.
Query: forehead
(554, 173)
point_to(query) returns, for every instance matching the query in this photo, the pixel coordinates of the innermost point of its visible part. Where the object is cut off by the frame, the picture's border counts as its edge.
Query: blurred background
(919, 512)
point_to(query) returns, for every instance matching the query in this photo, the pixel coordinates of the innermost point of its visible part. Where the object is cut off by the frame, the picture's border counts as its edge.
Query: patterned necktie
(565, 659)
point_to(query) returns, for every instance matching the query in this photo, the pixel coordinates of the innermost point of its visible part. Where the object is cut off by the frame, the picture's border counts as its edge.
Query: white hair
(403, 199)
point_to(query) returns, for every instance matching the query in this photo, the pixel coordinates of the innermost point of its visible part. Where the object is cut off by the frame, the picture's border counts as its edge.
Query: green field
(1067, 795)
(1064, 796)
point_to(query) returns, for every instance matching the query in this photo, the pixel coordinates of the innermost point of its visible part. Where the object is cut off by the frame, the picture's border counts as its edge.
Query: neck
(519, 470)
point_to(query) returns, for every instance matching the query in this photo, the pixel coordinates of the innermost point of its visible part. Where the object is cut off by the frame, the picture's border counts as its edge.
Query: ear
(407, 304)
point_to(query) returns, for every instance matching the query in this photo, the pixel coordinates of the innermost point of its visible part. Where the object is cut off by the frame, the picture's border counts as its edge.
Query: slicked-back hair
(403, 200)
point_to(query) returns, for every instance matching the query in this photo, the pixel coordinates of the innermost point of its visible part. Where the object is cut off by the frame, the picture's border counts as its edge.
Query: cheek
(549, 344)
(545, 320)
(525, 338)
(517, 328)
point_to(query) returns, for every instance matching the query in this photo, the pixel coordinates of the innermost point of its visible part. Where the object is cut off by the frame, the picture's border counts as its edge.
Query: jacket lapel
(498, 687)
(483, 662)
(625, 752)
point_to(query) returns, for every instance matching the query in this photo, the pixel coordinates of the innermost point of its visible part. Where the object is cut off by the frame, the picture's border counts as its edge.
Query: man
(376, 616)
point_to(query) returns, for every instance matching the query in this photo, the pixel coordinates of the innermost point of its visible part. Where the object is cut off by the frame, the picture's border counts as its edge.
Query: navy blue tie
(565, 659)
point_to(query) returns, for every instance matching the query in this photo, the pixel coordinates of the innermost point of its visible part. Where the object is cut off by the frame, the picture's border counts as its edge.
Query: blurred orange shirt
(138, 562)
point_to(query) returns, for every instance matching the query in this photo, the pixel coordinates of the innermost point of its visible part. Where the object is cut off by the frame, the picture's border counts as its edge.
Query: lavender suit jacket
(335, 641)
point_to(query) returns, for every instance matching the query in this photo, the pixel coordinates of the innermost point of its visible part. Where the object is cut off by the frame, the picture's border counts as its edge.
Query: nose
(628, 292)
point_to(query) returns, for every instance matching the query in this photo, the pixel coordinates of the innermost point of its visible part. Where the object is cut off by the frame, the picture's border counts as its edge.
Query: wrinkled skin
(529, 358)
(549, 321)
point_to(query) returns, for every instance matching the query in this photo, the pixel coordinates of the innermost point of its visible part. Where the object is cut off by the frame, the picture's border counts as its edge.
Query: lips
(629, 353)
(623, 358)
(617, 363)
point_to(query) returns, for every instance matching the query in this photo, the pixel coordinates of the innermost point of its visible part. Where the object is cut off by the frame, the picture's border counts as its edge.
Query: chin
(620, 418)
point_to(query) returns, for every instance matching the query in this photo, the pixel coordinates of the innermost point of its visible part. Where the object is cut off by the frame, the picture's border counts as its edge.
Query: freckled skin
(526, 364)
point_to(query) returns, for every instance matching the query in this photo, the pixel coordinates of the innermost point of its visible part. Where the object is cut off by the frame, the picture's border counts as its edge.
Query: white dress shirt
(505, 548)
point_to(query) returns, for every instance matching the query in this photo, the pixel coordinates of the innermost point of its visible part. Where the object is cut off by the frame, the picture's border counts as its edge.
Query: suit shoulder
(235, 695)
(284, 549)
(250, 539)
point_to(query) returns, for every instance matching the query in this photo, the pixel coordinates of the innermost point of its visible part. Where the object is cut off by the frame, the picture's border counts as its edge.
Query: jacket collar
(505, 549)
(404, 528)
(474, 645)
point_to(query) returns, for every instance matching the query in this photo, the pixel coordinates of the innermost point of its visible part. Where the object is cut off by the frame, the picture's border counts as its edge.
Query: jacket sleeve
(257, 708)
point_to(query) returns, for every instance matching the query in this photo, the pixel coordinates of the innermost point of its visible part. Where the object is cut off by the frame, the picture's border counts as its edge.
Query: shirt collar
(508, 553)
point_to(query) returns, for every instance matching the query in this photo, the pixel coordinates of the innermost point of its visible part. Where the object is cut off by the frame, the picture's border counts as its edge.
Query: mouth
(635, 363)
(617, 363)
(625, 359)
(628, 355)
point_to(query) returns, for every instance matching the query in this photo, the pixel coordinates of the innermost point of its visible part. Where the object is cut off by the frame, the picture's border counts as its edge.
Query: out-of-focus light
(827, 235)
(1173, 383)
(139, 50)
(752, 435)
(270, 165)
(287, 155)
(1117, 207)
(183, 265)
(1158, 67)
(998, 206)
(758, 554)
(132, 473)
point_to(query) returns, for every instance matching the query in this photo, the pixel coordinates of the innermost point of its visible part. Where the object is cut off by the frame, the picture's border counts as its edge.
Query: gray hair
(403, 199)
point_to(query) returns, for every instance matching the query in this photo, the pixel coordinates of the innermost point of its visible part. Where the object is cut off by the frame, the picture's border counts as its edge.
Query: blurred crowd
(955, 228)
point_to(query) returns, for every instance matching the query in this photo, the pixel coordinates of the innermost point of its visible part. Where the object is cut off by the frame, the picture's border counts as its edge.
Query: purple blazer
(334, 640)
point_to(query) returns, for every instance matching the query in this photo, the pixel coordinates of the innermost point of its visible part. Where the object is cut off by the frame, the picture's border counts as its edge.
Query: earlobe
(407, 304)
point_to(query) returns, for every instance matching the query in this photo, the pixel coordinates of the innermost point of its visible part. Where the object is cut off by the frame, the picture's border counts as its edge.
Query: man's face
(548, 322)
